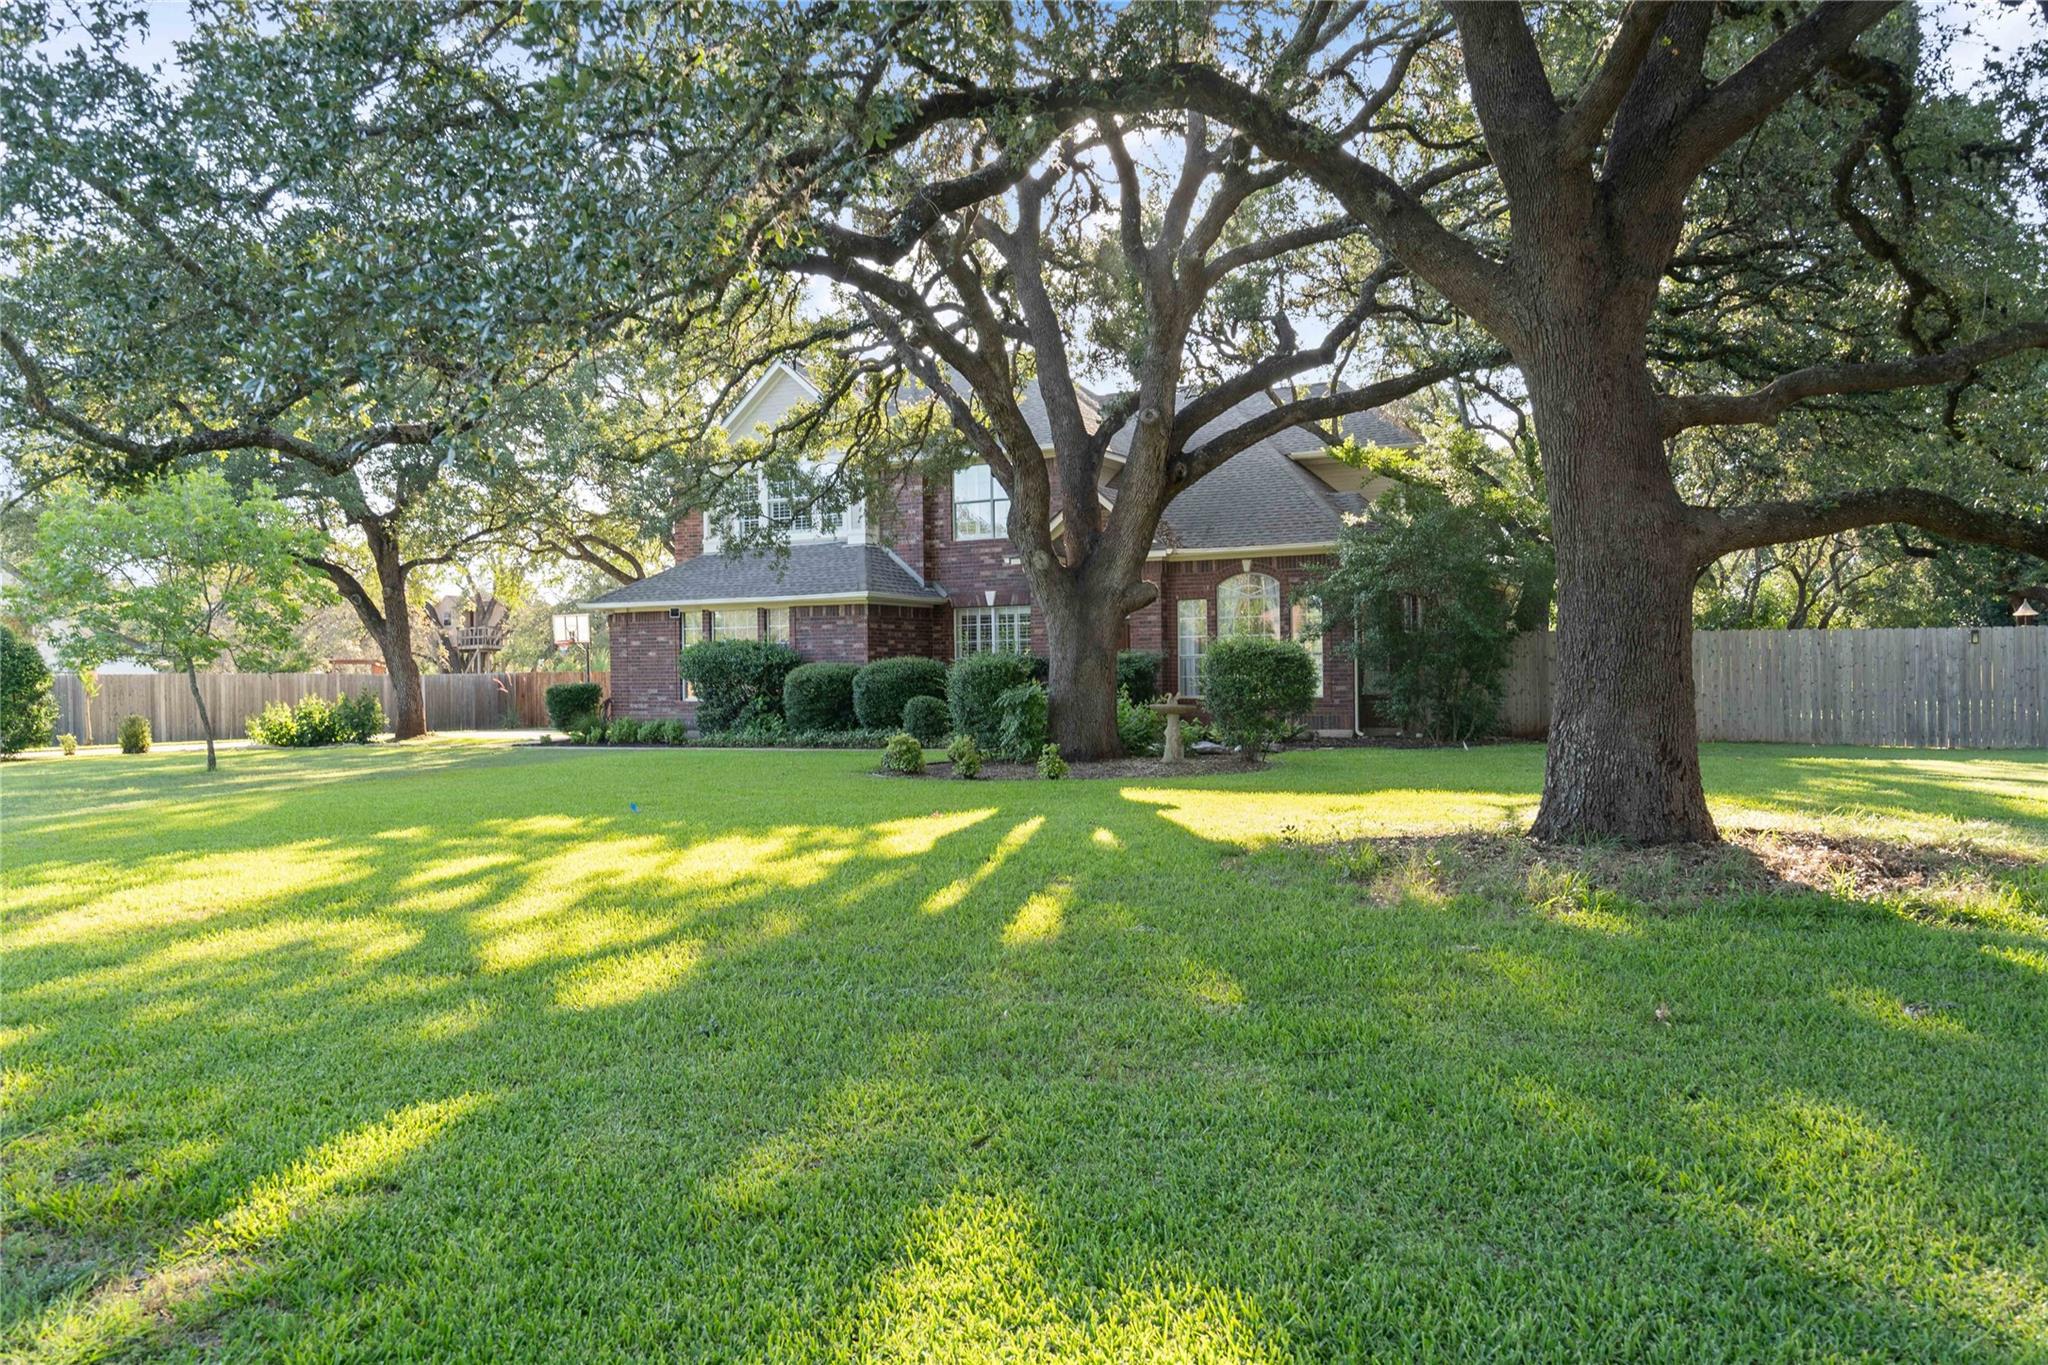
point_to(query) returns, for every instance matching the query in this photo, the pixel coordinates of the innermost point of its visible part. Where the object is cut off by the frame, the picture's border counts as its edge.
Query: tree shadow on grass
(860, 1067)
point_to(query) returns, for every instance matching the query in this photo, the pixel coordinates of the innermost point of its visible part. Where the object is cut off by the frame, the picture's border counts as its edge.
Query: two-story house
(929, 571)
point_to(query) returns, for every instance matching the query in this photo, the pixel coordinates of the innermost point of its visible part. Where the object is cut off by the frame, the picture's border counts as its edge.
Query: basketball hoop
(571, 629)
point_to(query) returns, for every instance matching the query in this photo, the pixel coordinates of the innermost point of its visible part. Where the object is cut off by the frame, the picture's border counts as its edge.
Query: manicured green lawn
(449, 1052)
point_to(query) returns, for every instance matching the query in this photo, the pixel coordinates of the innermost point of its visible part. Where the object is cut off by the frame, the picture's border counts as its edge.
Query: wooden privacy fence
(1957, 687)
(455, 701)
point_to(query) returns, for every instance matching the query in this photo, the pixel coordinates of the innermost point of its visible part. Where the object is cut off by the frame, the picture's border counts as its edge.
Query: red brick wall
(855, 634)
(903, 525)
(646, 683)
(689, 535)
(838, 634)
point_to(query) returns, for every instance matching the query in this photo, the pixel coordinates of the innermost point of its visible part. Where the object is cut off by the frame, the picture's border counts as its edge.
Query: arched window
(1248, 604)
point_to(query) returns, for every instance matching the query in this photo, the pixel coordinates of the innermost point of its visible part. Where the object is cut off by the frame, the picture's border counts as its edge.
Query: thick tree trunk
(1081, 637)
(205, 720)
(408, 694)
(1623, 761)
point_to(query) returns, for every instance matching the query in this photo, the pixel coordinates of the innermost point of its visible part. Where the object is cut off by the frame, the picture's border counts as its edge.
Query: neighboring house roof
(817, 572)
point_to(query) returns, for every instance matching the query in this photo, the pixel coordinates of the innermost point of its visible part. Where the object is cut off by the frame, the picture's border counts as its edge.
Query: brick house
(928, 571)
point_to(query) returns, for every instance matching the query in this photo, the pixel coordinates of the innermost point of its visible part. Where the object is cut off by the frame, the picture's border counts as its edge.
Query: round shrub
(820, 697)
(883, 688)
(926, 718)
(1137, 672)
(738, 681)
(28, 703)
(971, 691)
(68, 743)
(135, 735)
(903, 754)
(569, 703)
(1256, 689)
(358, 718)
(965, 756)
(1051, 766)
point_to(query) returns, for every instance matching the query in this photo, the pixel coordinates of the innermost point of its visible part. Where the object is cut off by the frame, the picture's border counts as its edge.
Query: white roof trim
(1320, 547)
(732, 425)
(821, 598)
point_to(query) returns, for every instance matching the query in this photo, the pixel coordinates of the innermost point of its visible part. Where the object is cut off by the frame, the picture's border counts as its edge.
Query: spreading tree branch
(1774, 523)
(1878, 376)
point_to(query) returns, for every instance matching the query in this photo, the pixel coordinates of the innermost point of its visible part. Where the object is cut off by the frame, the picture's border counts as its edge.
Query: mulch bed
(1121, 769)
(1673, 878)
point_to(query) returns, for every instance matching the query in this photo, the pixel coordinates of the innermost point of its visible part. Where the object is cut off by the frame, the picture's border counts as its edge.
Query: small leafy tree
(181, 573)
(1430, 591)
(28, 709)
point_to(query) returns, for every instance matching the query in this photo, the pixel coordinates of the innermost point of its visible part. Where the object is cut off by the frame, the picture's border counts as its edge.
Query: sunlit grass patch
(437, 1053)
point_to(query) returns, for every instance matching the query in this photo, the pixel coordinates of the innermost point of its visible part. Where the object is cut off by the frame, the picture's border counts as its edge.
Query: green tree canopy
(179, 573)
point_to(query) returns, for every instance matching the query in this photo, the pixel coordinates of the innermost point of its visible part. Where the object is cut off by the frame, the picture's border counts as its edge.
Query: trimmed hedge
(738, 681)
(927, 718)
(820, 697)
(28, 701)
(569, 703)
(1137, 672)
(883, 688)
(1257, 689)
(971, 692)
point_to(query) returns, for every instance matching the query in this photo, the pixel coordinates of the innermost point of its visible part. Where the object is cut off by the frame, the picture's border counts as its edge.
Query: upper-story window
(1248, 604)
(981, 508)
(787, 507)
(789, 510)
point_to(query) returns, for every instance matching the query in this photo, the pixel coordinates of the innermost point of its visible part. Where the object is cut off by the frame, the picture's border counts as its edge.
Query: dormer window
(981, 507)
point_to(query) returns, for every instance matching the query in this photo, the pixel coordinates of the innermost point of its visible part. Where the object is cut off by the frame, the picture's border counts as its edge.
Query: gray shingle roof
(1262, 496)
(825, 569)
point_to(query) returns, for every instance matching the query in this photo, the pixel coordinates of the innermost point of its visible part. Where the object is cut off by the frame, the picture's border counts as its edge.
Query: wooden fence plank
(1934, 687)
(455, 701)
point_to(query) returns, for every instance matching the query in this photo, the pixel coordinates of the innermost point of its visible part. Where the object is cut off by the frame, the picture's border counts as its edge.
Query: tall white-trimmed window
(981, 509)
(736, 623)
(775, 625)
(689, 631)
(991, 630)
(1248, 604)
(1308, 633)
(1192, 619)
